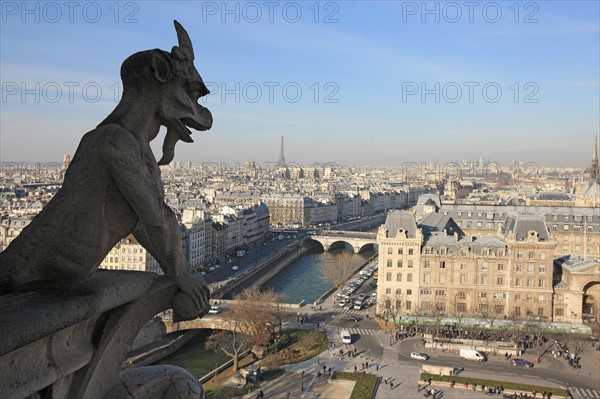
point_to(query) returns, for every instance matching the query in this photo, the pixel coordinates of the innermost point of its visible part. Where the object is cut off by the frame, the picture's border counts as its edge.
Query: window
(442, 265)
(540, 312)
(399, 251)
(566, 227)
(517, 311)
(462, 295)
(463, 279)
(426, 292)
(463, 266)
(388, 276)
(484, 279)
(388, 291)
(499, 280)
(500, 267)
(388, 304)
(389, 250)
(426, 278)
(425, 305)
(408, 292)
(542, 268)
(426, 265)
(461, 307)
(482, 295)
(398, 276)
(442, 278)
(483, 307)
(518, 282)
(531, 255)
(407, 305)
(517, 297)
(542, 255)
(530, 267)
(519, 255)
(409, 278)
(399, 263)
(541, 298)
(541, 282)
(559, 312)
(410, 251)
(500, 295)
(530, 282)
(398, 291)
(410, 264)
(530, 297)
(554, 227)
(389, 263)
(484, 266)
(440, 293)
(499, 309)
(519, 267)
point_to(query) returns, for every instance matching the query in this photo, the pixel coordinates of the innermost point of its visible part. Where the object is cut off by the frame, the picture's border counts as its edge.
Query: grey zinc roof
(439, 222)
(476, 244)
(401, 220)
(522, 223)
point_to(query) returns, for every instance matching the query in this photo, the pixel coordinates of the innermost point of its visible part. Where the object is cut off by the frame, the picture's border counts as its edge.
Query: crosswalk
(363, 331)
(582, 393)
(355, 312)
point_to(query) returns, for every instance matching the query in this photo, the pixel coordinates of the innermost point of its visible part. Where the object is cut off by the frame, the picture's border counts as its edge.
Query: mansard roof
(401, 220)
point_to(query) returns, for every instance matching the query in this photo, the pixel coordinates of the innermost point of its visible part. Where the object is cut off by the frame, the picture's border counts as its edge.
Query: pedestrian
(261, 394)
(377, 366)
(318, 375)
(324, 368)
(355, 369)
(367, 364)
(385, 380)
(391, 385)
(418, 387)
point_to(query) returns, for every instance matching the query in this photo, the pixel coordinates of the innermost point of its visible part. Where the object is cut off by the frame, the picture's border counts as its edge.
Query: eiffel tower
(281, 160)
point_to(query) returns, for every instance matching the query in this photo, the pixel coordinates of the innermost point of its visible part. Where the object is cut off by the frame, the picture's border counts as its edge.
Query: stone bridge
(220, 321)
(358, 240)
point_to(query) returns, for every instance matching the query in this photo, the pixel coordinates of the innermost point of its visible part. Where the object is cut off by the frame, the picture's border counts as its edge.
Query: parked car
(521, 362)
(342, 303)
(362, 297)
(358, 305)
(235, 268)
(214, 309)
(352, 318)
(419, 356)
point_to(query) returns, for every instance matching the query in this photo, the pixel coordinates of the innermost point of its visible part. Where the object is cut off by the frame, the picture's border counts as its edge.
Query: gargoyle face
(181, 88)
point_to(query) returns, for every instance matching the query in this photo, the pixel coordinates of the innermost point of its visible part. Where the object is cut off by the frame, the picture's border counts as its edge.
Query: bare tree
(251, 323)
(232, 342)
(339, 269)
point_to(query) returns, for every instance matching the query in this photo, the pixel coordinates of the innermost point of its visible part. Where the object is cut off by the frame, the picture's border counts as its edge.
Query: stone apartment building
(128, 254)
(434, 268)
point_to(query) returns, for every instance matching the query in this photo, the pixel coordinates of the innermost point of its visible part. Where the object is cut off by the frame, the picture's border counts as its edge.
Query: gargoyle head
(172, 78)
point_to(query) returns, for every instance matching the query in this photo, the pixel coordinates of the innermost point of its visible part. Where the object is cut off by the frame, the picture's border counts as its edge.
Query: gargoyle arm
(157, 227)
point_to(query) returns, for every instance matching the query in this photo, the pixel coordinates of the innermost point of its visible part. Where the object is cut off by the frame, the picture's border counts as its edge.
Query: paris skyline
(381, 83)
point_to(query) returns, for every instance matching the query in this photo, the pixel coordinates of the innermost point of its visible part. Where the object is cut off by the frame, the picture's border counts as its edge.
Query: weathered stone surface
(65, 328)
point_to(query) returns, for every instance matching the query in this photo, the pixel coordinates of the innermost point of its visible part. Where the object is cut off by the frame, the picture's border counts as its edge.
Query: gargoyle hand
(193, 298)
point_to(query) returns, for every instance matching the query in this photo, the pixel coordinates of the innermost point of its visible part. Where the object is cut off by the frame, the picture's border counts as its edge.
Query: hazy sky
(346, 82)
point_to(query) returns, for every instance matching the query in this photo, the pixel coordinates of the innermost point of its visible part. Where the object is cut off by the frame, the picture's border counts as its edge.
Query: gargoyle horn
(185, 44)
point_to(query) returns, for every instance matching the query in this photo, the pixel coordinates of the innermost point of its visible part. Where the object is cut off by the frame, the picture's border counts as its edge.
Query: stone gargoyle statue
(113, 185)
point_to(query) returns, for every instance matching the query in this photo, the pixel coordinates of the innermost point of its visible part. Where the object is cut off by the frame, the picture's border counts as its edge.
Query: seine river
(300, 280)
(303, 279)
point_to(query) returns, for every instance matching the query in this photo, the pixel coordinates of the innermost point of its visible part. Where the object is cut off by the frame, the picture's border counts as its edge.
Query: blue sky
(362, 68)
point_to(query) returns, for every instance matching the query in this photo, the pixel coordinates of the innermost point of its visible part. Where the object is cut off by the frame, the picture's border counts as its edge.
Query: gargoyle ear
(161, 66)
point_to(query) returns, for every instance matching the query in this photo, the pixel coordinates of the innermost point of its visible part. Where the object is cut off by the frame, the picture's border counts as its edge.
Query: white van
(346, 337)
(471, 354)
